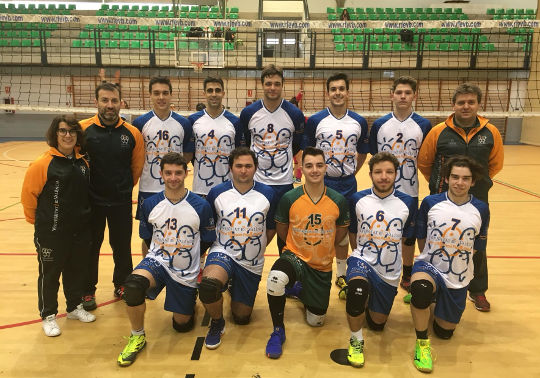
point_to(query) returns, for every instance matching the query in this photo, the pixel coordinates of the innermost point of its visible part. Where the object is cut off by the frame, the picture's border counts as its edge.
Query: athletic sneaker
(274, 347)
(213, 337)
(341, 282)
(50, 327)
(422, 356)
(356, 352)
(81, 314)
(89, 302)
(407, 298)
(405, 283)
(343, 292)
(480, 302)
(135, 344)
(119, 291)
(294, 291)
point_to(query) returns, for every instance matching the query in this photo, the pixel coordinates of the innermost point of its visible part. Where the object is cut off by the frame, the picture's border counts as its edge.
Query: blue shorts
(381, 293)
(179, 298)
(140, 199)
(280, 190)
(450, 303)
(345, 185)
(244, 284)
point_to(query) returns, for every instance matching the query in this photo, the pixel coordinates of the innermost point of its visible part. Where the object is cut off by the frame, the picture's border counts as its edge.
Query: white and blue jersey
(340, 139)
(403, 140)
(215, 138)
(452, 233)
(176, 230)
(271, 136)
(173, 134)
(241, 222)
(379, 224)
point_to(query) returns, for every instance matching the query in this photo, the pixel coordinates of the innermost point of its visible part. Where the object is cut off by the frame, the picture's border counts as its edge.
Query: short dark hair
(200, 106)
(160, 80)
(467, 88)
(407, 80)
(383, 156)
(52, 136)
(312, 151)
(242, 151)
(111, 87)
(336, 77)
(213, 79)
(271, 70)
(463, 161)
(173, 158)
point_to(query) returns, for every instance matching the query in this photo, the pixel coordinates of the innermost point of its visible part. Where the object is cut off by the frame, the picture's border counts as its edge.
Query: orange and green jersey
(312, 226)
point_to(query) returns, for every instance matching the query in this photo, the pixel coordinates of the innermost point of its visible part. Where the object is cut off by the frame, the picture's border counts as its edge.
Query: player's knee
(315, 317)
(275, 285)
(344, 242)
(210, 290)
(422, 293)
(409, 241)
(135, 288)
(183, 327)
(372, 325)
(441, 332)
(357, 296)
(241, 319)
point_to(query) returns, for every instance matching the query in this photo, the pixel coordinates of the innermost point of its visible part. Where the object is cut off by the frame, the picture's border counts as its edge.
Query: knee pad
(357, 296)
(315, 317)
(422, 294)
(183, 327)
(441, 332)
(344, 242)
(241, 320)
(409, 241)
(135, 288)
(275, 285)
(372, 325)
(210, 290)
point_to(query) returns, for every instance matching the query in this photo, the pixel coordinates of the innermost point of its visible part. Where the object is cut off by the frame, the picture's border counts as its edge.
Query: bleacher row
(184, 11)
(62, 9)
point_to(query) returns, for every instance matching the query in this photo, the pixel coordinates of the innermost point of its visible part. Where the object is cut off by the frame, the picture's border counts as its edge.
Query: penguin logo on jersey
(406, 152)
(211, 158)
(339, 153)
(272, 149)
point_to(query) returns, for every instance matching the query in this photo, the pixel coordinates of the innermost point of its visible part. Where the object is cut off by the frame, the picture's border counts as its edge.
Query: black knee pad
(441, 332)
(422, 294)
(357, 296)
(241, 320)
(135, 288)
(210, 290)
(372, 325)
(286, 267)
(409, 241)
(184, 327)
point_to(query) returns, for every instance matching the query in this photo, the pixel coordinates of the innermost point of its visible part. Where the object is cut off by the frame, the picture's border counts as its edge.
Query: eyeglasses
(64, 132)
(212, 90)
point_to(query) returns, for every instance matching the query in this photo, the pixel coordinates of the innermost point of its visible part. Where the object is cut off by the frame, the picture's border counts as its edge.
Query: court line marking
(517, 188)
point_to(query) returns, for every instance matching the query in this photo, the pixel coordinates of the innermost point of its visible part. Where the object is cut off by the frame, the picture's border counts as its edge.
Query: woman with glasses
(55, 200)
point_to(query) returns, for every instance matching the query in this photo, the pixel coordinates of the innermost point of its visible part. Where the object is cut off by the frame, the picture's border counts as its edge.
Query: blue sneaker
(273, 347)
(213, 337)
(294, 291)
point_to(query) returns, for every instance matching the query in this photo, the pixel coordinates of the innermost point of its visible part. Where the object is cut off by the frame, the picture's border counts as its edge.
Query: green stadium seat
(465, 47)
(104, 43)
(205, 8)
(510, 11)
(76, 43)
(155, 8)
(123, 44)
(88, 43)
(490, 11)
(135, 44)
(234, 9)
(193, 45)
(216, 46)
(339, 47)
(499, 11)
(145, 44)
(169, 45)
(193, 15)
(375, 47)
(233, 16)
(159, 45)
(428, 10)
(332, 17)
(530, 12)
(104, 7)
(115, 7)
(448, 10)
(145, 8)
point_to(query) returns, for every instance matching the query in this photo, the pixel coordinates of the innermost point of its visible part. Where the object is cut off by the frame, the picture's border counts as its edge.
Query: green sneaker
(422, 356)
(341, 282)
(407, 298)
(135, 344)
(355, 355)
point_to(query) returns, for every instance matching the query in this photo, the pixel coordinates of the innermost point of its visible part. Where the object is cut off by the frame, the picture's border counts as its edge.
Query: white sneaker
(50, 327)
(81, 314)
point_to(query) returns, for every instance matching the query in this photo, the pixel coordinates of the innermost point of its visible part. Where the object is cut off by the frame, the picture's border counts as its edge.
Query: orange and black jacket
(483, 143)
(55, 193)
(116, 160)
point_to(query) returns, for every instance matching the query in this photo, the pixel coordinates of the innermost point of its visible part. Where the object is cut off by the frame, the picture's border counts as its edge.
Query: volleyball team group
(211, 239)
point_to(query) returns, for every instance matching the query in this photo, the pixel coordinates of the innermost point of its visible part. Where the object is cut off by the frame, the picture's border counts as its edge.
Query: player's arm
(496, 156)
(34, 181)
(352, 240)
(270, 235)
(189, 141)
(360, 159)
(421, 244)
(341, 232)
(282, 230)
(426, 156)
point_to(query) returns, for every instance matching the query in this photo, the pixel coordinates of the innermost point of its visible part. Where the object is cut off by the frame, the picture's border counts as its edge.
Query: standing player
(465, 133)
(163, 131)
(177, 225)
(116, 151)
(380, 217)
(274, 129)
(216, 132)
(451, 227)
(401, 133)
(342, 135)
(311, 218)
(243, 211)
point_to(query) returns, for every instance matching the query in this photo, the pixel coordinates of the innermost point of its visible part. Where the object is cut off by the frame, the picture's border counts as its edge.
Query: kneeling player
(177, 225)
(451, 226)
(380, 217)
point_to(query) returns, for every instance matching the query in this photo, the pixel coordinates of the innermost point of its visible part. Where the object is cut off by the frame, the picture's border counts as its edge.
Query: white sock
(138, 332)
(341, 265)
(358, 334)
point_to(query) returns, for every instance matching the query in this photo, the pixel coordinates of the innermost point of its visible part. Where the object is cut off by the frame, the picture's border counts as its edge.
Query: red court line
(58, 316)
(10, 219)
(517, 188)
(11, 165)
